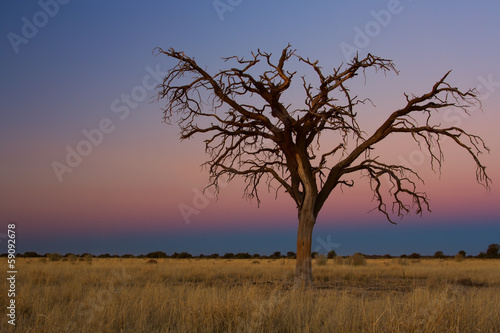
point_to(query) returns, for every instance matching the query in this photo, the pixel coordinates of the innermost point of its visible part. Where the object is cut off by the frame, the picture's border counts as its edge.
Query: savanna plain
(247, 295)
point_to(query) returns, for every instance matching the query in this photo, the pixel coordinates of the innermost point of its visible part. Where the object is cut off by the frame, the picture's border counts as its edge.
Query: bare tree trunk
(303, 271)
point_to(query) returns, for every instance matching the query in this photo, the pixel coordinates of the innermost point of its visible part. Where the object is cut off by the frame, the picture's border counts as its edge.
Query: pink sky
(136, 178)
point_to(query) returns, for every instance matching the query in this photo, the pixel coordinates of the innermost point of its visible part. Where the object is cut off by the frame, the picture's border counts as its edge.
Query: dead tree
(267, 141)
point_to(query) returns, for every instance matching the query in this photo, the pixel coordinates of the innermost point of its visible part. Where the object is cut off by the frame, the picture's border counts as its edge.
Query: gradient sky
(74, 71)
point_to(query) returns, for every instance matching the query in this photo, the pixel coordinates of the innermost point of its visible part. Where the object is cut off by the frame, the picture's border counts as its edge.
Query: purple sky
(79, 77)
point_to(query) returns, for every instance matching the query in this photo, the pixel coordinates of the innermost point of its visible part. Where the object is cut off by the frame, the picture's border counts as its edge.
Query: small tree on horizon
(157, 254)
(253, 132)
(185, 255)
(492, 251)
(331, 254)
(243, 255)
(439, 254)
(228, 255)
(32, 254)
(414, 255)
(276, 255)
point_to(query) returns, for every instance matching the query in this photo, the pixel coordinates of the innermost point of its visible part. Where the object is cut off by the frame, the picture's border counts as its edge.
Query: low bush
(356, 260)
(321, 259)
(54, 256)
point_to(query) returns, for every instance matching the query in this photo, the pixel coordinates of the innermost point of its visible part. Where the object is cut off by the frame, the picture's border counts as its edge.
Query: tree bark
(303, 270)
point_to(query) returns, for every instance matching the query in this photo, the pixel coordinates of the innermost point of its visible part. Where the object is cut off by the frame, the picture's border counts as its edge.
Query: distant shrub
(276, 255)
(321, 259)
(243, 255)
(462, 252)
(414, 256)
(338, 260)
(492, 251)
(185, 255)
(357, 259)
(54, 256)
(157, 254)
(439, 255)
(88, 258)
(331, 254)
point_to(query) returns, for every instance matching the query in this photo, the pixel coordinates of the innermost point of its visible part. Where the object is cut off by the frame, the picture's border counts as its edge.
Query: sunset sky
(72, 67)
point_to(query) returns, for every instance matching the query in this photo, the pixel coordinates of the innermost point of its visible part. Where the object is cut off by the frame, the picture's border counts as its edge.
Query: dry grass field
(215, 295)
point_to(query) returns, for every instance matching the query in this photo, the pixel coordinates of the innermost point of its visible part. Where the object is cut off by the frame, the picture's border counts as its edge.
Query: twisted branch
(266, 141)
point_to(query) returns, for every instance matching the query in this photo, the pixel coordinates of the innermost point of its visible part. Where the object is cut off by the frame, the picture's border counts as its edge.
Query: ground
(247, 295)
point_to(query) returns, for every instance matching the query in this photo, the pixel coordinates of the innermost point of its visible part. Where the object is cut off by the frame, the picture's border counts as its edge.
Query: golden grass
(210, 295)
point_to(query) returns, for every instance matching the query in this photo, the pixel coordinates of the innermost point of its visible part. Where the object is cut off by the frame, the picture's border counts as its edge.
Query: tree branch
(265, 138)
(441, 95)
